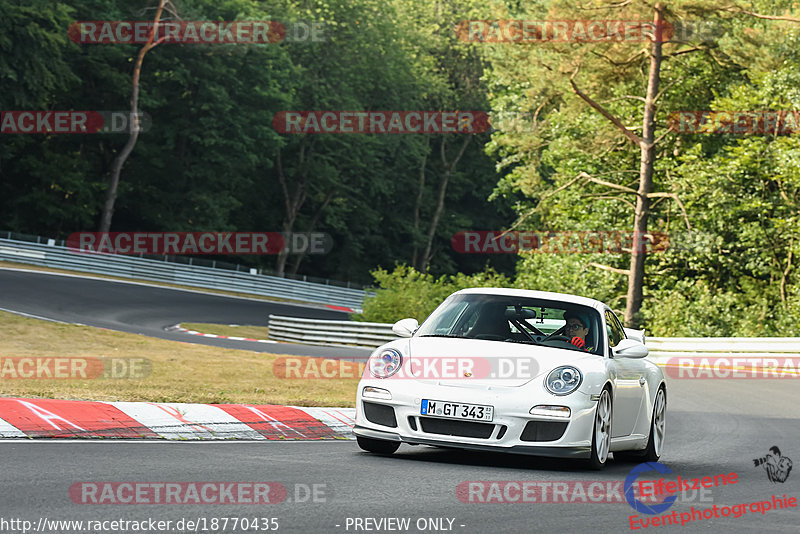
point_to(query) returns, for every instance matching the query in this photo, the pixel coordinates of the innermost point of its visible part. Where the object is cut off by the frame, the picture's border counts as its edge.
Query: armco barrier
(59, 257)
(744, 347)
(323, 332)
(318, 332)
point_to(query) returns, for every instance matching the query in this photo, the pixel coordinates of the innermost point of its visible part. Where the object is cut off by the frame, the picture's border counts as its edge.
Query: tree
(135, 126)
(569, 148)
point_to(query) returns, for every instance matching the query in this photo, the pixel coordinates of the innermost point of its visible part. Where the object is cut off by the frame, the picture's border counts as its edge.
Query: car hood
(491, 363)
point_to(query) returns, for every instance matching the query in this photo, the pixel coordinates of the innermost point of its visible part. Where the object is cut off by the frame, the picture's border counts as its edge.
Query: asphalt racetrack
(148, 310)
(713, 427)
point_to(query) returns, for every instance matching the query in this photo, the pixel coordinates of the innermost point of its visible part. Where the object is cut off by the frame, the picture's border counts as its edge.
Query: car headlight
(563, 380)
(386, 363)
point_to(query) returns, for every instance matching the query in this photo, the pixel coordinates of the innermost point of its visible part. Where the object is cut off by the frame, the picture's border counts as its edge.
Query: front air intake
(380, 414)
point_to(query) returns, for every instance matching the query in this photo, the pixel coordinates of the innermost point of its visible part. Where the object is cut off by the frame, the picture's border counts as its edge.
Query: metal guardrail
(744, 347)
(324, 332)
(250, 282)
(316, 332)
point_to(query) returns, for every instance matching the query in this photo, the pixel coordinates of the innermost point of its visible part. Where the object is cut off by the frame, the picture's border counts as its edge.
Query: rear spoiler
(638, 335)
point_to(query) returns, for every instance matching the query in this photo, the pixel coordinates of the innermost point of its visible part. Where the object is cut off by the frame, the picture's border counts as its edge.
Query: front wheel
(655, 443)
(601, 435)
(658, 428)
(379, 446)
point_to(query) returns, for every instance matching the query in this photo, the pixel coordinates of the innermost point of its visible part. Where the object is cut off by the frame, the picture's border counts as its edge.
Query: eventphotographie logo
(777, 467)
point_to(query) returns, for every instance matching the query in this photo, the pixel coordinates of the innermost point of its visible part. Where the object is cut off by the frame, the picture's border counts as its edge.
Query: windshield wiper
(440, 335)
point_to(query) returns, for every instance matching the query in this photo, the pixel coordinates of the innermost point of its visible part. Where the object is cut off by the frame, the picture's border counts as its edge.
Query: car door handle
(642, 381)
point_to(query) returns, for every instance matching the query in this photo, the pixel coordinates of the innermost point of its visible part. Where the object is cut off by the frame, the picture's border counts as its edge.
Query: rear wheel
(658, 428)
(379, 446)
(601, 436)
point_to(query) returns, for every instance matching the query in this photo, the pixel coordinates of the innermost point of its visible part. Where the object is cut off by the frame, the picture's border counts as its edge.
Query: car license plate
(456, 410)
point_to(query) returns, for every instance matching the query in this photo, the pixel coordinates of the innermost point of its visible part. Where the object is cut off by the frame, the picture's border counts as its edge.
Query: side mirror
(405, 327)
(638, 335)
(630, 348)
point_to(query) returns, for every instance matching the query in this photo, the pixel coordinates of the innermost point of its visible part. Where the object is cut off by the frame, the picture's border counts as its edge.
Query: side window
(614, 329)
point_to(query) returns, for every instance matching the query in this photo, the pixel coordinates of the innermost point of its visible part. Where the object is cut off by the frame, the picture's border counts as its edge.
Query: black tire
(378, 446)
(595, 462)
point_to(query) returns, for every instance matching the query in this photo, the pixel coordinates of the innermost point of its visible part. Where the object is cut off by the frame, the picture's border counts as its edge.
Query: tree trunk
(647, 160)
(448, 169)
(292, 204)
(119, 161)
(418, 203)
(299, 258)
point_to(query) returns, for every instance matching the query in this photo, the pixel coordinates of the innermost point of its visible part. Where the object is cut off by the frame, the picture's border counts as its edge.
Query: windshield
(510, 319)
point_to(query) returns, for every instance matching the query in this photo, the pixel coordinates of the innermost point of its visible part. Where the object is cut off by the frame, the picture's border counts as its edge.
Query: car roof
(530, 293)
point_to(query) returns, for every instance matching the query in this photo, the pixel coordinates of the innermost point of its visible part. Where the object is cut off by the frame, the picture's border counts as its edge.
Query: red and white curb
(179, 328)
(51, 418)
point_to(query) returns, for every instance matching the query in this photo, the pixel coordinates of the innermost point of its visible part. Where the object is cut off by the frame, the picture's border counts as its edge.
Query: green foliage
(405, 292)
(210, 160)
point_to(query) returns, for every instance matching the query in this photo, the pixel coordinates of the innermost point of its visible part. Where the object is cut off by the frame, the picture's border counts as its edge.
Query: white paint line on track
(179, 328)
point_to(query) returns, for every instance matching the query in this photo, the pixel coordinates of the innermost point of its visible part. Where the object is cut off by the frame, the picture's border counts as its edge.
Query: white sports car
(513, 370)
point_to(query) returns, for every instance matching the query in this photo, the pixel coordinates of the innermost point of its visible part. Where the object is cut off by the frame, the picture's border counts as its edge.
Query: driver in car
(577, 328)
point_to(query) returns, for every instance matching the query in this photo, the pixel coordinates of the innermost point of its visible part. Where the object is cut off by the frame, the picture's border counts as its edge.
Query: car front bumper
(504, 433)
